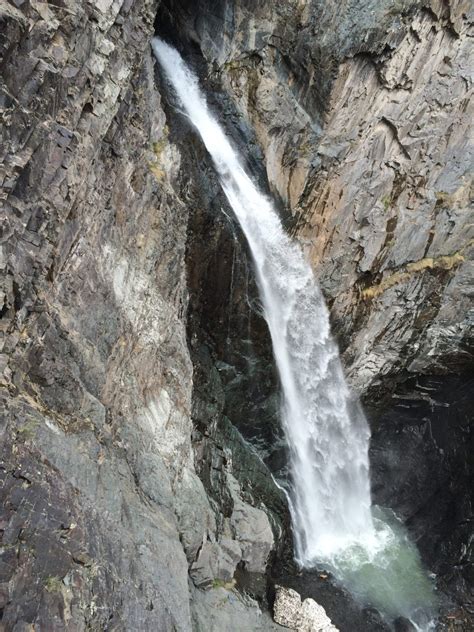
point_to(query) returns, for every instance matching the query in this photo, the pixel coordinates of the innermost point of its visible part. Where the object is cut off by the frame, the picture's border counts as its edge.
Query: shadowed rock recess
(140, 427)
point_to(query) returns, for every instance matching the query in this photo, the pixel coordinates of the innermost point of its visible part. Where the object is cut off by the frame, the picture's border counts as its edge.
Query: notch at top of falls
(325, 428)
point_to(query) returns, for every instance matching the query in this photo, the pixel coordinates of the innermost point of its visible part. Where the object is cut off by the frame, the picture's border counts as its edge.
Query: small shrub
(53, 585)
(220, 583)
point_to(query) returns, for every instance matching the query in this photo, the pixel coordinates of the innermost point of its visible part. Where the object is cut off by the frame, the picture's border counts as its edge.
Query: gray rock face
(221, 610)
(252, 530)
(216, 563)
(245, 538)
(102, 509)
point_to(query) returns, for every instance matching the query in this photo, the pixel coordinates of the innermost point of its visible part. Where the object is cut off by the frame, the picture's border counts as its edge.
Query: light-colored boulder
(313, 618)
(306, 616)
(287, 607)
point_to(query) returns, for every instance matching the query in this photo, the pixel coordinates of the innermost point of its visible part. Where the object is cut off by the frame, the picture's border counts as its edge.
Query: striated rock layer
(367, 137)
(104, 517)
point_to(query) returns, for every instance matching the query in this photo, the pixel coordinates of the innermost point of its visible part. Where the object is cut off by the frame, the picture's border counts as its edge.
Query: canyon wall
(364, 118)
(134, 355)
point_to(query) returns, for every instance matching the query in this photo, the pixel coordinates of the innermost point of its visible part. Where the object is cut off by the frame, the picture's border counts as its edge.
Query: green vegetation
(27, 432)
(220, 583)
(444, 262)
(387, 202)
(53, 584)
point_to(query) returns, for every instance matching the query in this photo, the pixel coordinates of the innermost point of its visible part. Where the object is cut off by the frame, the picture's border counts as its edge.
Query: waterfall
(327, 435)
(325, 428)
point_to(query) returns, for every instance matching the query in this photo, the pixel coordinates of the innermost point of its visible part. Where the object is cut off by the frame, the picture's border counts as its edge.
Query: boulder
(306, 616)
(221, 610)
(216, 563)
(252, 530)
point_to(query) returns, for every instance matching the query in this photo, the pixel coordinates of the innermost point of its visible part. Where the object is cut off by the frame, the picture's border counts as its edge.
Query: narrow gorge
(180, 447)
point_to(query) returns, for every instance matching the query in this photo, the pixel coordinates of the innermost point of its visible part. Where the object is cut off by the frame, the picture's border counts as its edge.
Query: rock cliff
(103, 514)
(135, 362)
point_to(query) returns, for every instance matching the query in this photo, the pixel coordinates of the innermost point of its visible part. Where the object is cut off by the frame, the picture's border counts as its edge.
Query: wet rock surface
(318, 585)
(422, 458)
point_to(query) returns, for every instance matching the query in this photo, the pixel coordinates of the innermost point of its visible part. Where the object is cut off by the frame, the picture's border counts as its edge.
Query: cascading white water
(326, 431)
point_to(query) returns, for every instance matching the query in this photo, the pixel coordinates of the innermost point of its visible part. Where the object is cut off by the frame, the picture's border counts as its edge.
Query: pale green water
(387, 573)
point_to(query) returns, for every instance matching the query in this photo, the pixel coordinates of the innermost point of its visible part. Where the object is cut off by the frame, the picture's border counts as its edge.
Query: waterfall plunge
(326, 431)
